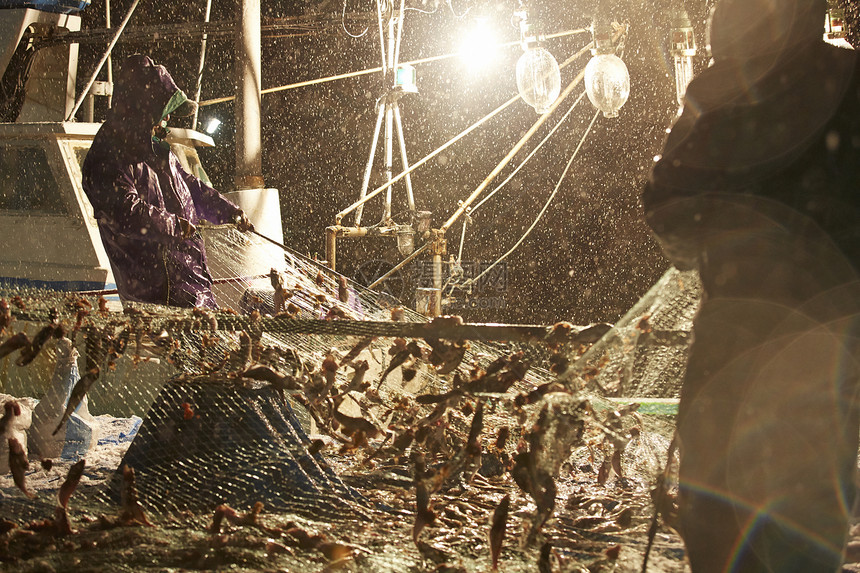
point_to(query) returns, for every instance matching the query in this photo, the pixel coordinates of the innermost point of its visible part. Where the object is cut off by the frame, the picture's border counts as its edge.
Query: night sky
(591, 256)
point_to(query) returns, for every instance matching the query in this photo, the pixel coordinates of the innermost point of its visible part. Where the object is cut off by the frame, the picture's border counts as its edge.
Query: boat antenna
(200, 67)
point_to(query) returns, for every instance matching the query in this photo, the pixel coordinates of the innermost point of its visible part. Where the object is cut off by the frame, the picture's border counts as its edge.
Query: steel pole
(389, 120)
(249, 164)
(110, 60)
(410, 196)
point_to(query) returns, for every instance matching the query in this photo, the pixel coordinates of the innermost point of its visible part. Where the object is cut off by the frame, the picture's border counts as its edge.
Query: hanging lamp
(538, 74)
(607, 81)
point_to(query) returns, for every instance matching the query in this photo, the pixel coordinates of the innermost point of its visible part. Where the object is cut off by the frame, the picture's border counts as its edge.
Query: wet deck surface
(591, 526)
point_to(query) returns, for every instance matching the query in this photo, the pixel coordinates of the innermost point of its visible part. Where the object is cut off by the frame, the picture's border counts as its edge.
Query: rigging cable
(433, 11)
(542, 211)
(463, 205)
(378, 69)
(544, 140)
(457, 16)
(566, 62)
(343, 24)
(529, 156)
(514, 172)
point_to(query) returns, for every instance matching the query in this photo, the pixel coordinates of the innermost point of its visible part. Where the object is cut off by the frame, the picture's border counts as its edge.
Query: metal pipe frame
(516, 148)
(333, 232)
(339, 216)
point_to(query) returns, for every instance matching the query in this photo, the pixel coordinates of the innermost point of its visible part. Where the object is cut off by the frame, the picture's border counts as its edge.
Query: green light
(404, 78)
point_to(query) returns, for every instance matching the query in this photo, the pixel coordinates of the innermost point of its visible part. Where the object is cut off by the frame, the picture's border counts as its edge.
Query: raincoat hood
(746, 29)
(774, 128)
(144, 94)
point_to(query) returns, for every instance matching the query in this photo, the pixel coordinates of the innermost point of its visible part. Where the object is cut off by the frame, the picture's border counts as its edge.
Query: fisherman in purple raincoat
(146, 204)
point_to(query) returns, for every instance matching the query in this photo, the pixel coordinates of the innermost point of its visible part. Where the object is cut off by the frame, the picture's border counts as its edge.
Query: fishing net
(308, 400)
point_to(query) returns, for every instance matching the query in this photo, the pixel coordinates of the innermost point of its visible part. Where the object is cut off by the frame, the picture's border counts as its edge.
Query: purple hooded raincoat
(139, 192)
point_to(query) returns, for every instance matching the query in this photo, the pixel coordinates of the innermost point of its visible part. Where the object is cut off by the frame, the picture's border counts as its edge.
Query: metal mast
(397, 79)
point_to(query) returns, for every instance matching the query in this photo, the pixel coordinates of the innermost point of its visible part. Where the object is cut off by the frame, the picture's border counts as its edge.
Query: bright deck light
(213, 125)
(480, 48)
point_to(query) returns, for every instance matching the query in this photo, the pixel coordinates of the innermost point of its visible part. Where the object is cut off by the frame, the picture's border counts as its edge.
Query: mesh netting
(327, 403)
(645, 354)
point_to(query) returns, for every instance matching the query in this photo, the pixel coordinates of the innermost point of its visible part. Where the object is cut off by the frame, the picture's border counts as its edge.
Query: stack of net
(180, 372)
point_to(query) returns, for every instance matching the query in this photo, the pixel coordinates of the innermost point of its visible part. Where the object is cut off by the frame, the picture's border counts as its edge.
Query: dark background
(591, 256)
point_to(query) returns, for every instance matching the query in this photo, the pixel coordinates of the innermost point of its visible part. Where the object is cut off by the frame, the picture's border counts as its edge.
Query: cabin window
(27, 182)
(80, 155)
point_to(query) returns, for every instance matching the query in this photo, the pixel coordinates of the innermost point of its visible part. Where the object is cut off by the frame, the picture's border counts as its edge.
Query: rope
(515, 171)
(545, 207)
(563, 175)
(529, 156)
(523, 140)
(343, 24)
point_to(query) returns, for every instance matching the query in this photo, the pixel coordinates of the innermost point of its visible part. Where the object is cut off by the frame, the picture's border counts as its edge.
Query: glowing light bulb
(538, 78)
(607, 83)
(479, 49)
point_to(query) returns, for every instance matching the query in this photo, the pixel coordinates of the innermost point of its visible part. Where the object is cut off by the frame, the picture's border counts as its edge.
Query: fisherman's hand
(187, 227)
(243, 223)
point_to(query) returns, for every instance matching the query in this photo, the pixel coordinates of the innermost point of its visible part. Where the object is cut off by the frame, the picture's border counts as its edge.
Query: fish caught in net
(311, 399)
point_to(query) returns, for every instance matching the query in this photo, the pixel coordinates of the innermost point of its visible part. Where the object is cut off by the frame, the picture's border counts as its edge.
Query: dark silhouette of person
(758, 187)
(146, 203)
